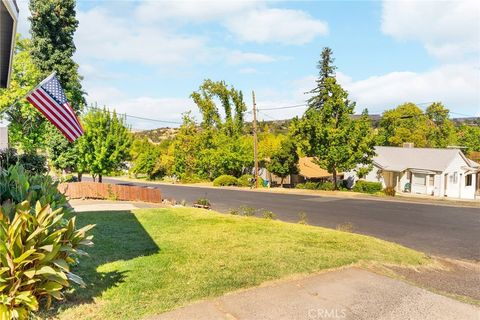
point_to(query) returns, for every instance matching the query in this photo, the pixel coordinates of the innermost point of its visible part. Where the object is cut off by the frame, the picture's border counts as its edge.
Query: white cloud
(248, 20)
(248, 71)
(101, 35)
(447, 29)
(239, 57)
(104, 36)
(191, 11)
(276, 25)
(455, 85)
(167, 109)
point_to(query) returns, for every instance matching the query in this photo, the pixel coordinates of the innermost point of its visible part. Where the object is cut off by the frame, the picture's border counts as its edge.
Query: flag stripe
(33, 101)
(54, 115)
(74, 115)
(65, 113)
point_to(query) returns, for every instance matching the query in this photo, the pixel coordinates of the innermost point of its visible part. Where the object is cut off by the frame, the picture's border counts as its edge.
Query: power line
(137, 117)
(265, 114)
(462, 114)
(284, 107)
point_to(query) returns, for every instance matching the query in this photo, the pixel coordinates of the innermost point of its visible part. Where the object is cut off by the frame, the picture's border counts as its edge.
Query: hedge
(367, 187)
(327, 185)
(245, 180)
(225, 180)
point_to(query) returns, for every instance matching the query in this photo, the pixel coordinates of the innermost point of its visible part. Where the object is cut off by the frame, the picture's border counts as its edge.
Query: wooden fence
(93, 190)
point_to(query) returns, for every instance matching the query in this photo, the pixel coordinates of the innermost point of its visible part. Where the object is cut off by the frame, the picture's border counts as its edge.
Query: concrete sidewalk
(109, 205)
(345, 294)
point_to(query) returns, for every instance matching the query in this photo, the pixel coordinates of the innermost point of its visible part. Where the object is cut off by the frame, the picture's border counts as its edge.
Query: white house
(435, 172)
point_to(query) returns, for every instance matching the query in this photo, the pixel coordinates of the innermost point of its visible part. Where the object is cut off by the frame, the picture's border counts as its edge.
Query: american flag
(48, 97)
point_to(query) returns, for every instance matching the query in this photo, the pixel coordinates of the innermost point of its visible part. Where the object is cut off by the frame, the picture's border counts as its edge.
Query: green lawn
(149, 261)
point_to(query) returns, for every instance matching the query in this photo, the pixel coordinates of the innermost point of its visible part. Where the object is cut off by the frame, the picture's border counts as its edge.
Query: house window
(468, 180)
(419, 179)
(454, 178)
(431, 180)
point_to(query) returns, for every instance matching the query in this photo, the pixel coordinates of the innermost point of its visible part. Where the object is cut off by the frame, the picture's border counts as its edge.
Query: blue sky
(146, 57)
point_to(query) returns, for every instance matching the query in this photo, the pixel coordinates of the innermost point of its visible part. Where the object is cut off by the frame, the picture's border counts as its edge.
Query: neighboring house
(435, 172)
(308, 171)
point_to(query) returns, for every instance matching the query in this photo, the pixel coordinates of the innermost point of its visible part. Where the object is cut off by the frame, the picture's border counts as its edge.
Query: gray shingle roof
(400, 159)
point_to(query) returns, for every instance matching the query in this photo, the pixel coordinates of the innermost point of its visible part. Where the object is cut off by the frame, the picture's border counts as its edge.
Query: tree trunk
(281, 182)
(79, 176)
(100, 180)
(94, 177)
(334, 174)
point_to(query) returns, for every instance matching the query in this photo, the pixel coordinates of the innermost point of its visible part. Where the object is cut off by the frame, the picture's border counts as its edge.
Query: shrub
(261, 182)
(68, 178)
(390, 191)
(302, 216)
(38, 243)
(267, 214)
(247, 211)
(8, 158)
(33, 163)
(225, 180)
(327, 185)
(17, 185)
(233, 212)
(37, 247)
(367, 187)
(345, 227)
(245, 180)
(203, 202)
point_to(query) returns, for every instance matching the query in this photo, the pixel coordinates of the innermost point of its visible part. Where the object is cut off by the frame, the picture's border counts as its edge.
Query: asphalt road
(435, 229)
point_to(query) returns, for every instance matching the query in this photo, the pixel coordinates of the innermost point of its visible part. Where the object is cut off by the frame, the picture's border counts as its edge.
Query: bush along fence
(92, 190)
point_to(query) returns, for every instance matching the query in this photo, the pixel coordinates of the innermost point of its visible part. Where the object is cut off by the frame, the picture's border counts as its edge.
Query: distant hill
(275, 126)
(157, 135)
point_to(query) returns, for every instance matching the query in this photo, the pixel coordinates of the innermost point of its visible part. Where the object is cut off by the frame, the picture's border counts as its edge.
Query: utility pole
(255, 142)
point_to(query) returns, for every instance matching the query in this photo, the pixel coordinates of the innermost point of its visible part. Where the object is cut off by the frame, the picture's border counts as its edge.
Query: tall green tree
(405, 123)
(186, 148)
(284, 161)
(327, 131)
(53, 24)
(469, 137)
(145, 156)
(105, 146)
(441, 131)
(230, 99)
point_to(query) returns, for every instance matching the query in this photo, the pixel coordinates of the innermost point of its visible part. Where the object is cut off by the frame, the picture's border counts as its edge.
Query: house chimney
(408, 144)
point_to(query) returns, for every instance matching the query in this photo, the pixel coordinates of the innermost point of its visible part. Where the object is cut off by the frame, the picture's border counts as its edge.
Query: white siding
(455, 185)
(3, 137)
